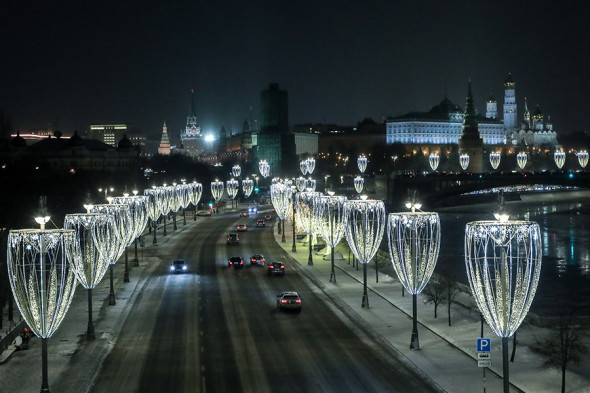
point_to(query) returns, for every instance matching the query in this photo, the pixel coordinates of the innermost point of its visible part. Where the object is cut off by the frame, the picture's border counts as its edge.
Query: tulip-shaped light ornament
(167, 203)
(153, 209)
(521, 159)
(264, 168)
(118, 244)
(175, 195)
(281, 195)
(232, 186)
(138, 214)
(310, 165)
(185, 199)
(582, 158)
(358, 184)
(464, 161)
(195, 191)
(42, 280)
(434, 159)
(303, 167)
(307, 217)
(217, 190)
(93, 233)
(503, 262)
(559, 157)
(330, 212)
(364, 225)
(495, 158)
(414, 242)
(300, 183)
(362, 163)
(236, 171)
(310, 184)
(247, 187)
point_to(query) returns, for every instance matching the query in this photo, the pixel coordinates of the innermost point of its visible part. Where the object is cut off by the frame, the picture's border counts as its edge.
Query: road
(216, 329)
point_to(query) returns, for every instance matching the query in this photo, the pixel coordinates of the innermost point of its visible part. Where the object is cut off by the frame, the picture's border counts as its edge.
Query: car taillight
(241, 262)
(282, 267)
(283, 301)
(230, 262)
(298, 301)
(263, 259)
(228, 238)
(252, 259)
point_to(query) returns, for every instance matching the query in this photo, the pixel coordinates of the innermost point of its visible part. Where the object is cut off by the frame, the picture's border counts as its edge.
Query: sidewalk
(448, 354)
(73, 362)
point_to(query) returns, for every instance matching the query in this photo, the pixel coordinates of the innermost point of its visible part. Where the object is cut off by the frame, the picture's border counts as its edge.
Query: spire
(470, 129)
(191, 110)
(164, 147)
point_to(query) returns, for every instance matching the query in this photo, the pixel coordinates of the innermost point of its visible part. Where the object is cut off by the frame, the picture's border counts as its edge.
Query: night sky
(341, 61)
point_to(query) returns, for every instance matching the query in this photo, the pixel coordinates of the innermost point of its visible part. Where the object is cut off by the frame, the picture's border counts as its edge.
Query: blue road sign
(483, 344)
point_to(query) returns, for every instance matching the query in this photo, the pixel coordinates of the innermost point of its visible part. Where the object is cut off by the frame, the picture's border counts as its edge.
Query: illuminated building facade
(191, 138)
(110, 134)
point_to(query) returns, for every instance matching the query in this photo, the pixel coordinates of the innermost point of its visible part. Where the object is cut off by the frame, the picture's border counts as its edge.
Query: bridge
(436, 188)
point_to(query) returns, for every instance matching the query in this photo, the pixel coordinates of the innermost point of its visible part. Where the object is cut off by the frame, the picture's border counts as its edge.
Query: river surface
(564, 219)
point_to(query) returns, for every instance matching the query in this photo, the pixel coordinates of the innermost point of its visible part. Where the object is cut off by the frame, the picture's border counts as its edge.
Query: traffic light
(256, 190)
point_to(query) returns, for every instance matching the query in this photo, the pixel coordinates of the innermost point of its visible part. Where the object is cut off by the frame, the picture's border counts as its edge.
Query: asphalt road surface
(216, 329)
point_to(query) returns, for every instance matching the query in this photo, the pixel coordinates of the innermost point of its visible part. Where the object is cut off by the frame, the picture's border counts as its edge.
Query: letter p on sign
(483, 344)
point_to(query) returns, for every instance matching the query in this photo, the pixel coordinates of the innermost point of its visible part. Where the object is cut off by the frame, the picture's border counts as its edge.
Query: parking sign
(483, 344)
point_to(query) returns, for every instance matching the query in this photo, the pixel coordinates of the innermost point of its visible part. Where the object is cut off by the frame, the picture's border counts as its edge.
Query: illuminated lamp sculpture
(310, 165)
(233, 186)
(236, 171)
(264, 168)
(42, 279)
(358, 184)
(307, 217)
(464, 161)
(310, 184)
(195, 191)
(495, 158)
(559, 157)
(362, 163)
(364, 226)
(582, 158)
(300, 183)
(330, 219)
(153, 209)
(521, 159)
(247, 187)
(414, 242)
(434, 160)
(303, 167)
(281, 195)
(93, 233)
(503, 263)
(217, 190)
(138, 211)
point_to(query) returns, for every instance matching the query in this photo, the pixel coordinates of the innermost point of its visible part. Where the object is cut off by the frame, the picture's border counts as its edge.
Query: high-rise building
(164, 147)
(110, 134)
(274, 109)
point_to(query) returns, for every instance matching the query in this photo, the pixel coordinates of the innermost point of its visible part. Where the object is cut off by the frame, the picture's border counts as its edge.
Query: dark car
(267, 217)
(242, 228)
(235, 262)
(260, 223)
(275, 268)
(233, 238)
(257, 259)
(179, 267)
(289, 300)
(244, 213)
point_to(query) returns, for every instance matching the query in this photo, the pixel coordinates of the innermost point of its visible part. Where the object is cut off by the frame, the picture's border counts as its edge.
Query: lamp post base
(414, 341)
(112, 300)
(365, 302)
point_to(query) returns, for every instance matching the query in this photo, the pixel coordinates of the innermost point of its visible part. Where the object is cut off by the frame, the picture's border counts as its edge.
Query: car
(289, 300)
(242, 228)
(267, 216)
(253, 209)
(204, 213)
(257, 259)
(233, 238)
(244, 213)
(235, 262)
(178, 266)
(275, 268)
(260, 223)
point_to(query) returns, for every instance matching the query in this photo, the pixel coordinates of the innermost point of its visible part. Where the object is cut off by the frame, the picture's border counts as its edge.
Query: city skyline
(339, 64)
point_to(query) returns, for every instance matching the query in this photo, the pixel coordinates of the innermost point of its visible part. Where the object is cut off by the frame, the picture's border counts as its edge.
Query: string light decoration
(414, 243)
(559, 157)
(236, 171)
(464, 161)
(330, 219)
(495, 158)
(195, 192)
(358, 184)
(264, 168)
(300, 183)
(303, 167)
(307, 217)
(503, 263)
(153, 209)
(310, 165)
(521, 159)
(118, 243)
(281, 195)
(217, 190)
(247, 187)
(93, 232)
(582, 158)
(362, 163)
(183, 193)
(232, 186)
(434, 160)
(138, 221)
(364, 222)
(310, 184)
(42, 280)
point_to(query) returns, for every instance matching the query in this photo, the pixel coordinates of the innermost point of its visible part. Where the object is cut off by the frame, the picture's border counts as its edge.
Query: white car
(204, 213)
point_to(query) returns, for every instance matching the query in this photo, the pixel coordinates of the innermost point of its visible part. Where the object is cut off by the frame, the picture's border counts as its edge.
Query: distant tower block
(510, 116)
(491, 108)
(470, 142)
(164, 147)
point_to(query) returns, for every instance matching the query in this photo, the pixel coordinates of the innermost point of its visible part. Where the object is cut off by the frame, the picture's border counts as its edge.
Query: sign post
(484, 357)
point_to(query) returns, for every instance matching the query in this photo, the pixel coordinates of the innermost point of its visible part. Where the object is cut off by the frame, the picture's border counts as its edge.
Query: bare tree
(564, 345)
(435, 292)
(452, 290)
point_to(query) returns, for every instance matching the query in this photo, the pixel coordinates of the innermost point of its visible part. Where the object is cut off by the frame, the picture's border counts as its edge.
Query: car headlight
(171, 267)
(184, 267)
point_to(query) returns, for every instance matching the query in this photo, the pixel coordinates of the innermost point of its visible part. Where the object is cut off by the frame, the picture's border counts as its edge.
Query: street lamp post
(330, 212)
(503, 263)
(195, 191)
(293, 198)
(305, 211)
(364, 223)
(232, 187)
(414, 242)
